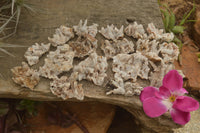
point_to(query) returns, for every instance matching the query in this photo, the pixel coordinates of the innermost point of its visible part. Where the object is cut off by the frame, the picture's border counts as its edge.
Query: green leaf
(166, 18)
(180, 46)
(198, 54)
(178, 29)
(176, 40)
(172, 20)
(188, 15)
(159, 2)
(191, 21)
(29, 106)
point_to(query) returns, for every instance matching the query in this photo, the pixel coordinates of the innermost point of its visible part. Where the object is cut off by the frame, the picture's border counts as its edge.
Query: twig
(5, 24)
(6, 16)
(6, 52)
(72, 118)
(190, 3)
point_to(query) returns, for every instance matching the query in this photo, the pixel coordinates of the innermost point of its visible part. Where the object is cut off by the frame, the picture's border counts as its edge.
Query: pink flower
(170, 96)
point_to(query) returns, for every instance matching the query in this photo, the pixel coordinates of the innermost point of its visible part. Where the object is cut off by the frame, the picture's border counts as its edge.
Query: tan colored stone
(190, 66)
(193, 126)
(196, 31)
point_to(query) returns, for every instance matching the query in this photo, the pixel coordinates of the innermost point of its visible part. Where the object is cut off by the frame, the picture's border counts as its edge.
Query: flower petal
(163, 92)
(180, 117)
(173, 81)
(148, 92)
(180, 92)
(186, 104)
(183, 91)
(153, 107)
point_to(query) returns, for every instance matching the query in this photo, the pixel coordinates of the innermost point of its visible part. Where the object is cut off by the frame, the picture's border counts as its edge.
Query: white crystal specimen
(84, 46)
(149, 49)
(92, 68)
(154, 66)
(127, 89)
(83, 30)
(109, 48)
(158, 34)
(135, 30)
(111, 32)
(142, 45)
(62, 35)
(25, 76)
(57, 62)
(169, 51)
(34, 52)
(65, 88)
(128, 67)
(152, 51)
(131, 66)
(112, 48)
(124, 46)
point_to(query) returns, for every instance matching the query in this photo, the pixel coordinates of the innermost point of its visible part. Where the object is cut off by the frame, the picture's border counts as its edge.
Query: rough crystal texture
(157, 76)
(131, 66)
(25, 76)
(82, 29)
(157, 34)
(111, 32)
(62, 35)
(169, 51)
(65, 88)
(126, 89)
(150, 59)
(86, 42)
(135, 30)
(57, 62)
(128, 67)
(112, 48)
(92, 68)
(149, 49)
(34, 52)
(84, 46)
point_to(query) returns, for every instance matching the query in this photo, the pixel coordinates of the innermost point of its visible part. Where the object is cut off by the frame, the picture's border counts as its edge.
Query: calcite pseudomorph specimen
(136, 31)
(82, 29)
(65, 88)
(111, 32)
(62, 35)
(148, 60)
(158, 34)
(128, 67)
(25, 76)
(112, 48)
(92, 68)
(84, 46)
(86, 42)
(57, 62)
(34, 52)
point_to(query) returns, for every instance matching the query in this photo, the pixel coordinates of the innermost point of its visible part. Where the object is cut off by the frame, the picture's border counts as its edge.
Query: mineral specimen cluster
(148, 57)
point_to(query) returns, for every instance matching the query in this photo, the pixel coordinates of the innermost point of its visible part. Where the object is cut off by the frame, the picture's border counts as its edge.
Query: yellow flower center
(172, 98)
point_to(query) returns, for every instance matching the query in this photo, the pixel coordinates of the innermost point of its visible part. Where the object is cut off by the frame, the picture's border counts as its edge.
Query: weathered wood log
(38, 27)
